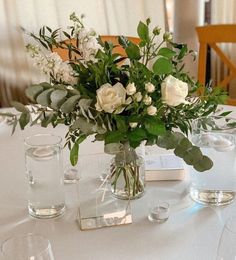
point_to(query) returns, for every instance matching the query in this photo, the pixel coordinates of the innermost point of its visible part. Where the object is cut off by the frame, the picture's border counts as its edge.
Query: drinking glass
(215, 135)
(226, 248)
(44, 168)
(27, 247)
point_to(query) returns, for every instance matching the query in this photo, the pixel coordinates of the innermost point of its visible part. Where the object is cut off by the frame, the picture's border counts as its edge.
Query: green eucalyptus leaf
(85, 103)
(204, 164)
(20, 107)
(85, 126)
(44, 98)
(33, 91)
(24, 120)
(58, 96)
(47, 120)
(162, 66)
(182, 147)
(193, 155)
(45, 85)
(69, 104)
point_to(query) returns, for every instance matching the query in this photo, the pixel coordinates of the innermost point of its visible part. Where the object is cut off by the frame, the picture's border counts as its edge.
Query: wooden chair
(211, 36)
(105, 38)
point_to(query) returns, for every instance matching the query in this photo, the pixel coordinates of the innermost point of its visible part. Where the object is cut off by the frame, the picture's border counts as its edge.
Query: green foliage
(162, 66)
(77, 105)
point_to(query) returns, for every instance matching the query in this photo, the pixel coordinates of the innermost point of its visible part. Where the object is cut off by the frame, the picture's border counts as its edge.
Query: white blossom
(52, 64)
(174, 91)
(133, 124)
(138, 96)
(167, 36)
(149, 87)
(110, 98)
(151, 110)
(147, 100)
(131, 89)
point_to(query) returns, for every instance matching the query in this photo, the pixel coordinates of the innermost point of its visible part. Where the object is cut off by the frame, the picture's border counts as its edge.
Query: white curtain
(223, 12)
(14, 70)
(184, 27)
(107, 17)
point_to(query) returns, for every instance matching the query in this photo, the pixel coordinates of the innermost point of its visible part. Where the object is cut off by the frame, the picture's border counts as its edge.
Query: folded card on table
(164, 167)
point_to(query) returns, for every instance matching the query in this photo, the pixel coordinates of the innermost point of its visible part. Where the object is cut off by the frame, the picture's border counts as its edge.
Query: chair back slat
(211, 36)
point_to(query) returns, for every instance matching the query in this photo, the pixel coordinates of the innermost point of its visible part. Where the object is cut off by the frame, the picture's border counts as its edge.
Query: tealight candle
(159, 212)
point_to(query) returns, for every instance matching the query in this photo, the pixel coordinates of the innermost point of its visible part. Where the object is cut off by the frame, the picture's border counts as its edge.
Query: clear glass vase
(127, 173)
(215, 136)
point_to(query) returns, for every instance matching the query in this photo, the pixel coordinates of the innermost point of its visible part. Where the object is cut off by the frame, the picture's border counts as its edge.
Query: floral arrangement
(142, 96)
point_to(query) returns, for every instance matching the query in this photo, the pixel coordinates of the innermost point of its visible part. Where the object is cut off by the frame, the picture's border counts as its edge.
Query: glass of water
(226, 248)
(215, 135)
(44, 169)
(27, 247)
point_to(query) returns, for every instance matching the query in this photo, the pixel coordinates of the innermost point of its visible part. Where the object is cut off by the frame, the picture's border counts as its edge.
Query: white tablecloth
(192, 231)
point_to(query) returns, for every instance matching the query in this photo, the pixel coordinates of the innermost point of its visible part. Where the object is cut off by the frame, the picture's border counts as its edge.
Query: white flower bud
(149, 87)
(131, 89)
(133, 124)
(147, 100)
(151, 110)
(167, 36)
(138, 96)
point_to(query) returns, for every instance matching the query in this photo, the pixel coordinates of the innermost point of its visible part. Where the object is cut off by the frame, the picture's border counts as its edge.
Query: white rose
(147, 100)
(110, 98)
(133, 124)
(174, 91)
(138, 96)
(149, 87)
(131, 89)
(151, 110)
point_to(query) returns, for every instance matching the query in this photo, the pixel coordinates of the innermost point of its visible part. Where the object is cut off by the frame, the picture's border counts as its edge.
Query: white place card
(164, 167)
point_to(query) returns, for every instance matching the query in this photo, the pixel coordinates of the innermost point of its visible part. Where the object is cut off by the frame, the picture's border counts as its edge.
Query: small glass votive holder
(27, 247)
(158, 211)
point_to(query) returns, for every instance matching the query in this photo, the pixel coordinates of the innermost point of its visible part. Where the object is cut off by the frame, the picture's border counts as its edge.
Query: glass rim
(30, 137)
(217, 117)
(34, 235)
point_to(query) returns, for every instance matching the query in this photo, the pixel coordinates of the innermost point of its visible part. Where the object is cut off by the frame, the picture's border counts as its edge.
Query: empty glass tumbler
(215, 135)
(44, 168)
(27, 247)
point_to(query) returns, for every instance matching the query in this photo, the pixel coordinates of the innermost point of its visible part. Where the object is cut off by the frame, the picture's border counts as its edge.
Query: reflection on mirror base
(212, 197)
